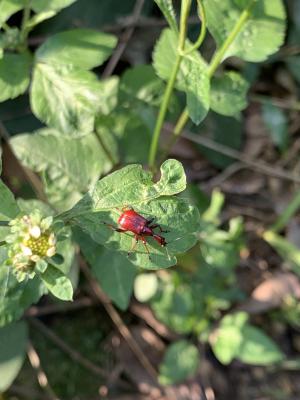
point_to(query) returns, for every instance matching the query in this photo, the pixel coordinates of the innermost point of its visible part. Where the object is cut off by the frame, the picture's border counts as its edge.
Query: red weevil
(131, 221)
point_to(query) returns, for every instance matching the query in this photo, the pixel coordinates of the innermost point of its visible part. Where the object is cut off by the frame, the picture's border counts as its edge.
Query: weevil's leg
(150, 220)
(145, 245)
(114, 228)
(159, 227)
(135, 241)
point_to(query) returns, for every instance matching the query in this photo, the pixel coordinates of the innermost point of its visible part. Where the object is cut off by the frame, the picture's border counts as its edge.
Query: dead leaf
(270, 293)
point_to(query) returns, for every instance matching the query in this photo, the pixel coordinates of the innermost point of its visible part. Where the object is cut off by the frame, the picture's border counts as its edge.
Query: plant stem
(185, 8)
(287, 214)
(25, 19)
(214, 64)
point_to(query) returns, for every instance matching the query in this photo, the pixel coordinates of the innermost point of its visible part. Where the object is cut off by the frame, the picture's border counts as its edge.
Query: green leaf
(132, 186)
(65, 98)
(145, 287)
(228, 93)
(192, 76)
(84, 48)
(197, 91)
(10, 7)
(13, 344)
(180, 362)
(46, 5)
(14, 75)
(69, 167)
(8, 205)
(166, 7)
(140, 83)
(262, 34)
(277, 123)
(57, 283)
(114, 273)
(15, 297)
(235, 338)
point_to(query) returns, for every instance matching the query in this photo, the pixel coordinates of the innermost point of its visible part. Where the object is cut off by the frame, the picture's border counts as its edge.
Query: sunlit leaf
(84, 48)
(13, 344)
(132, 186)
(261, 35)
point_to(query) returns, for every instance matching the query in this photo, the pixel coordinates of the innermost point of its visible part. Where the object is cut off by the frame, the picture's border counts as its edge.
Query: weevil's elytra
(141, 227)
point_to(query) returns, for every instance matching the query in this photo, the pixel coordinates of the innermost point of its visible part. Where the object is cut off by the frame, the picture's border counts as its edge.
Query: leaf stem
(287, 214)
(24, 23)
(202, 17)
(185, 8)
(213, 66)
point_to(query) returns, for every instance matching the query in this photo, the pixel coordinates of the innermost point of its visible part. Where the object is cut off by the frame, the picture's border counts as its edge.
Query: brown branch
(41, 376)
(114, 315)
(35, 311)
(259, 166)
(73, 354)
(123, 41)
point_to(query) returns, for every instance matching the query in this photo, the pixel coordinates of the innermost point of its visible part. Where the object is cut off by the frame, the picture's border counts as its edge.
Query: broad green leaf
(108, 95)
(228, 93)
(277, 123)
(13, 344)
(84, 48)
(65, 98)
(174, 306)
(9, 7)
(0, 160)
(166, 7)
(57, 283)
(145, 287)
(180, 362)
(262, 33)
(14, 75)
(132, 186)
(114, 272)
(236, 338)
(192, 76)
(15, 297)
(69, 167)
(257, 348)
(46, 5)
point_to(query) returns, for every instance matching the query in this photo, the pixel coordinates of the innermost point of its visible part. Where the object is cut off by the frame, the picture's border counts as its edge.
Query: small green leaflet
(236, 338)
(228, 93)
(14, 75)
(132, 186)
(166, 7)
(180, 362)
(262, 34)
(192, 76)
(57, 283)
